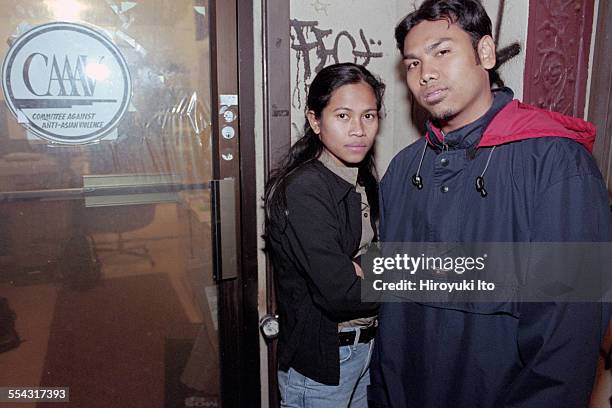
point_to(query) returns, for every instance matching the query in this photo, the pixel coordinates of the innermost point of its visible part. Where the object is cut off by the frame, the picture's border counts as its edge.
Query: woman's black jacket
(312, 247)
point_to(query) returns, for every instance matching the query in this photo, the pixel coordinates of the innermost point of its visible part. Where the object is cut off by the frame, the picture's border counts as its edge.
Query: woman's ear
(313, 121)
(486, 52)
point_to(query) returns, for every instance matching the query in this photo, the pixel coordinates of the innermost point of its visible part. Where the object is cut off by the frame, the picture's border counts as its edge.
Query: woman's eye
(342, 115)
(369, 116)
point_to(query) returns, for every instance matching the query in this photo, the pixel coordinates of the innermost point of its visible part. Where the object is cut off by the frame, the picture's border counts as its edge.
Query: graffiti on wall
(328, 47)
(503, 54)
(314, 47)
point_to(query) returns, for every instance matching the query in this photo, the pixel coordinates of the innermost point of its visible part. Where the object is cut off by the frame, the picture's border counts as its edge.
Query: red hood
(518, 121)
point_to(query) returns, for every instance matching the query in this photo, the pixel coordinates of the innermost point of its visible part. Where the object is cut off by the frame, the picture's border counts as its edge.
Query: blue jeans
(298, 391)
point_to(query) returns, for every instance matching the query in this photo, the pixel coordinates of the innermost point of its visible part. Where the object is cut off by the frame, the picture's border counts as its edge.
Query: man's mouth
(436, 95)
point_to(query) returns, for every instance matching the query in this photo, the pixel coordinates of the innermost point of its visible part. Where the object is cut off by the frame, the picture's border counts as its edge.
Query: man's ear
(313, 121)
(486, 52)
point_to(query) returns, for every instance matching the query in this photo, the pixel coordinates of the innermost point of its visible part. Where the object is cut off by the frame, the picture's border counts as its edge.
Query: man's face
(444, 75)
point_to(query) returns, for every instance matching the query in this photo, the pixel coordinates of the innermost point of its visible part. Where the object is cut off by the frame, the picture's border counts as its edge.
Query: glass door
(115, 234)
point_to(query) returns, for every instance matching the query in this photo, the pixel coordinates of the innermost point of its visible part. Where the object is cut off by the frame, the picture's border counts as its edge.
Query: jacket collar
(468, 136)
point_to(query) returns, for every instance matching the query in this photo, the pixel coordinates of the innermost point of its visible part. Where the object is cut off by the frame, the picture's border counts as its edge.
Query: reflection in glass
(65, 10)
(113, 295)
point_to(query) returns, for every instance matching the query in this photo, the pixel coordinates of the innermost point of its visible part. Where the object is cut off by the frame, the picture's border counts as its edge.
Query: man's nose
(429, 72)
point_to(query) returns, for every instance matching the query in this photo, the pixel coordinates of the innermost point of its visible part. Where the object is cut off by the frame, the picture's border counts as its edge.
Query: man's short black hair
(470, 15)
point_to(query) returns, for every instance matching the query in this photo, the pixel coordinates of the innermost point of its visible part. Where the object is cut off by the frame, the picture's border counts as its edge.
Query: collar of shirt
(469, 135)
(348, 174)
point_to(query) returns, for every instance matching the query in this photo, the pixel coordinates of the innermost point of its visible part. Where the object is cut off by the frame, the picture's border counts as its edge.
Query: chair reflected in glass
(119, 219)
(124, 210)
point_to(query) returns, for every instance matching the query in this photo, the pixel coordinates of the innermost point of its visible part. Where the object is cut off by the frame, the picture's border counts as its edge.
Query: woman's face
(348, 124)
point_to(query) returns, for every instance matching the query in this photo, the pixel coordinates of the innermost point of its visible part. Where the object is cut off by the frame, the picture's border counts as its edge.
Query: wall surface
(324, 32)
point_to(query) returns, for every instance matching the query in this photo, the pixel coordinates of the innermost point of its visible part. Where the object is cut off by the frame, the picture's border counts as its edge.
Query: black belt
(347, 338)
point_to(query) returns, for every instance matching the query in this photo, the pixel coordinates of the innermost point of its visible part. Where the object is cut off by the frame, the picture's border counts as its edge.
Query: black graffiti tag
(300, 43)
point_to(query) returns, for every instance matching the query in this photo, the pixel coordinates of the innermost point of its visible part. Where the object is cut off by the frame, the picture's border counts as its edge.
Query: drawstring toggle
(480, 186)
(417, 181)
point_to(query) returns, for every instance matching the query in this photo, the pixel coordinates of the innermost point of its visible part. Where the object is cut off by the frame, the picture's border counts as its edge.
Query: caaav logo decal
(66, 83)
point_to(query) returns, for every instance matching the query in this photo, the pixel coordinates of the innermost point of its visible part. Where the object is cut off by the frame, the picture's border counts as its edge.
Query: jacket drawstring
(417, 180)
(480, 187)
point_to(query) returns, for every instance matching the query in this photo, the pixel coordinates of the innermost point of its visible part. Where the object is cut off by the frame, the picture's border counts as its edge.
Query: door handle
(223, 217)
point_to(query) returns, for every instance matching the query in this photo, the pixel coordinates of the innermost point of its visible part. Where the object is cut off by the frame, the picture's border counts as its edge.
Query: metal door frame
(277, 130)
(232, 73)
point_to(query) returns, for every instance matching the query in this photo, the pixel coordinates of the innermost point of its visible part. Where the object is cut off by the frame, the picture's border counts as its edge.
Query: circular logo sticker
(66, 83)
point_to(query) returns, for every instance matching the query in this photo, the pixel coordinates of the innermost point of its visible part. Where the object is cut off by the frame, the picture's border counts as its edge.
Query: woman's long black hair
(309, 146)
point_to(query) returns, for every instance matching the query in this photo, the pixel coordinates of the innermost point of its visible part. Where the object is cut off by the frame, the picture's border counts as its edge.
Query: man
(489, 169)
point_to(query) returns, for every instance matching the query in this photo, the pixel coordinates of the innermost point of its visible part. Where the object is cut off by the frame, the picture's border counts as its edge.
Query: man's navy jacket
(542, 185)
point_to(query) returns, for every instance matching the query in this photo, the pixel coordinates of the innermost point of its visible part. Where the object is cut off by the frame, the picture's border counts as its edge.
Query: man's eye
(413, 64)
(443, 52)
(369, 116)
(342, 115)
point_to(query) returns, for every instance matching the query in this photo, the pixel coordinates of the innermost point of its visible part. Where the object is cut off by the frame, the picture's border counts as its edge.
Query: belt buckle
(347, 338)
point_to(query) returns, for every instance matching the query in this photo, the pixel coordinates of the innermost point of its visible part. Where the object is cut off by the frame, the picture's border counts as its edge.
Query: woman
(321, 207)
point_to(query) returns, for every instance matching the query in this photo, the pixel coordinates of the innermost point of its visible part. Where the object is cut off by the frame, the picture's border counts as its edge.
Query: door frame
(277, 132)
(232, 72)
(249, 364)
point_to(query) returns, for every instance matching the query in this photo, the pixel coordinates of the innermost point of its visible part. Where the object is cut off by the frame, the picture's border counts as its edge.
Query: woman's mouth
(358, 148)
